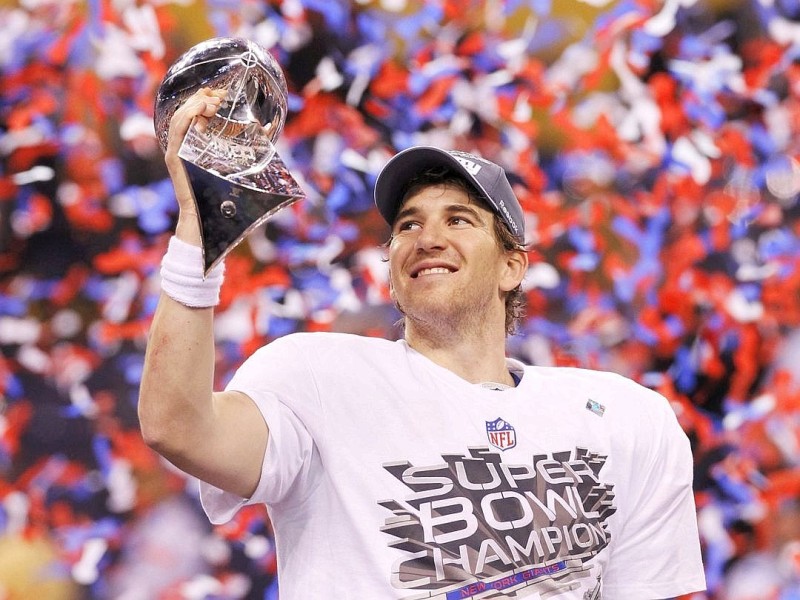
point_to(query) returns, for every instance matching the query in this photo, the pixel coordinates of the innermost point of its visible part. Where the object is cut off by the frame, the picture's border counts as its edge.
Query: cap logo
(471, 167)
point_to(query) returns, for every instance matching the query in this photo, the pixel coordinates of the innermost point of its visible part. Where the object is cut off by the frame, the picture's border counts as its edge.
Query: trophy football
(237, 178)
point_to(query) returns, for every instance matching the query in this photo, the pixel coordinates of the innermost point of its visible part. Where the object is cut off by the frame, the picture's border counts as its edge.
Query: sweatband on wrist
(182, 276)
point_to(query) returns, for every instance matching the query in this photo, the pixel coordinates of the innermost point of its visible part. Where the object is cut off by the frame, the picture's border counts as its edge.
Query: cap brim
(393, 180)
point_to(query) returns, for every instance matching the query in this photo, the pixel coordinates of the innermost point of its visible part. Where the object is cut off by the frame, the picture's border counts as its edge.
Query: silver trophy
(237, 178)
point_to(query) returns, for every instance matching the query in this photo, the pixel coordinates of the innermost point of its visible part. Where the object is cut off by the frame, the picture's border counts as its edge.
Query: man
(431, 467)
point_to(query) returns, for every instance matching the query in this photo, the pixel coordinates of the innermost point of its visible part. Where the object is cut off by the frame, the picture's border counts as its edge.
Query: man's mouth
(432, 271)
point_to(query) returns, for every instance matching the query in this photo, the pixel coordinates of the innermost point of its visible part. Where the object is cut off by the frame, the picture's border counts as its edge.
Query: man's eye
(407, 225)
(460, 221)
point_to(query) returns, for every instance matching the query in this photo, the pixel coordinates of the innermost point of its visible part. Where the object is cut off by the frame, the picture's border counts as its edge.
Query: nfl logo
(501, 434)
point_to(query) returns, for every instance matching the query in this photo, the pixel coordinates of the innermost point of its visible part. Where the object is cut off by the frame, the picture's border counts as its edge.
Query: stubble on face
(444, 320)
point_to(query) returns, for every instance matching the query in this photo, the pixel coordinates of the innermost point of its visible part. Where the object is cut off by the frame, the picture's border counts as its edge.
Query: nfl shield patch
(595, 407)
(501, 434)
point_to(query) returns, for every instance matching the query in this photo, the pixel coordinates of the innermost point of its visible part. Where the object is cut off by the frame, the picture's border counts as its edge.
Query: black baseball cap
(488, 179)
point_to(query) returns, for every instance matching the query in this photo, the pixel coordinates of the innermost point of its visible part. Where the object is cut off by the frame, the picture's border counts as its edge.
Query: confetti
(653, 149)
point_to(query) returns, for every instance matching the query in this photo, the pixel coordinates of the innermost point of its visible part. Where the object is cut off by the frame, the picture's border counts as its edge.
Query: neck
(475, 355)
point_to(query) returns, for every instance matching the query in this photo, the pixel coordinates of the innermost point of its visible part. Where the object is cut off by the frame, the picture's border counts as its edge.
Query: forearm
(177, 380)
(175, 398)
(218, 437)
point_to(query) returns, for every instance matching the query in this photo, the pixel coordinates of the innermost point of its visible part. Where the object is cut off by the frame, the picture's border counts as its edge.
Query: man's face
(444, 259)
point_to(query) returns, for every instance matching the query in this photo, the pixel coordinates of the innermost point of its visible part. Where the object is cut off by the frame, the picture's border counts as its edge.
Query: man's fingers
(201, 123)
(198, 108)
(202, 106)
(208, 105)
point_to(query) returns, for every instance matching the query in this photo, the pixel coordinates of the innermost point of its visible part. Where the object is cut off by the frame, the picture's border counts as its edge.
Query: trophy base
(229, 208)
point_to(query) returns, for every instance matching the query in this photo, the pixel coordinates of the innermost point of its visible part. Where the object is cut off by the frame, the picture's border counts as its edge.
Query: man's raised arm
(218, 437)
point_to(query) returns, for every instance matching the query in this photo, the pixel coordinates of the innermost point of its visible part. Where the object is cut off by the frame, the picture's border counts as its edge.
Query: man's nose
(432, 236)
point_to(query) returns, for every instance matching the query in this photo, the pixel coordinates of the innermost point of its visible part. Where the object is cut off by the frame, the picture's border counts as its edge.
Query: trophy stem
(228, 211)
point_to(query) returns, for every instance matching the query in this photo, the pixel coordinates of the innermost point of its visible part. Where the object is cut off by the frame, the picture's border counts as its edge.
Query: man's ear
(516, 265)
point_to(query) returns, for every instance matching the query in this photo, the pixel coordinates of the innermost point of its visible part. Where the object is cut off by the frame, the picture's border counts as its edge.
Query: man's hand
(196, 110)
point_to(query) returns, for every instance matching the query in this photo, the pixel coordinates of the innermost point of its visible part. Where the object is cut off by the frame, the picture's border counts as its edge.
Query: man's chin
(433, 311)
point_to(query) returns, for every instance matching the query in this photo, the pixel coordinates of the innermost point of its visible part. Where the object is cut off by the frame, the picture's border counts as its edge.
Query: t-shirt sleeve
(276, 380)
(657, 554)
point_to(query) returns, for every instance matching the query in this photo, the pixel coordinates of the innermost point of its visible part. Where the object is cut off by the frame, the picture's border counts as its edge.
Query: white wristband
(182, 276)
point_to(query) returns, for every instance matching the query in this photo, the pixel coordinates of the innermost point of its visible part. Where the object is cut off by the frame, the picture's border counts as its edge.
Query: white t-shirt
(388, 476)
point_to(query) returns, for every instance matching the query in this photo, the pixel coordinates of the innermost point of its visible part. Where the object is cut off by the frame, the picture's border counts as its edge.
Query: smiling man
(453, 259)
(434, 466)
